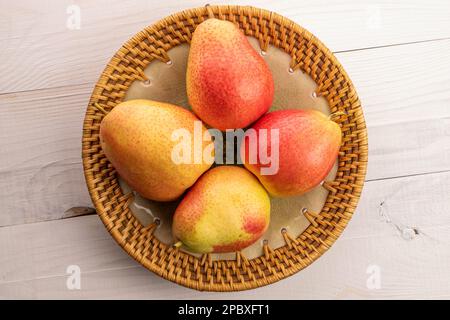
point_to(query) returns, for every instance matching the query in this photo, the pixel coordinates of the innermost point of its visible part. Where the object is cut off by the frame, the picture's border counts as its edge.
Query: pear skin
(308, 147)
(226, 210)
(229, 85)
(136, 137)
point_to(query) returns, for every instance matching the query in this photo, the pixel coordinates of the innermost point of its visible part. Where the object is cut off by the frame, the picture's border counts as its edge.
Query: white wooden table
(396, 246)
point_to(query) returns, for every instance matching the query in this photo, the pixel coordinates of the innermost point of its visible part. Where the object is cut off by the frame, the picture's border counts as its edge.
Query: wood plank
(41, 174)
(409, 148)
(39, 51)
(33, 264)
(404, 21)
(33, 244)
(405, 99)
(401, 83)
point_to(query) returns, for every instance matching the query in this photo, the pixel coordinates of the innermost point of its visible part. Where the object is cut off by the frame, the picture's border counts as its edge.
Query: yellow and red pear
(308, 147)
(229, 85)
(226, 210)
(136, 137)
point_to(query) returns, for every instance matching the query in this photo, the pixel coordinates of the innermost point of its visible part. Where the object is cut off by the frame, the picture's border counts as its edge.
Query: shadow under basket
(289, 50)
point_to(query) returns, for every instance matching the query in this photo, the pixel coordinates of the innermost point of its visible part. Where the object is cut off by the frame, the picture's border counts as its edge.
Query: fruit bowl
(152, 65)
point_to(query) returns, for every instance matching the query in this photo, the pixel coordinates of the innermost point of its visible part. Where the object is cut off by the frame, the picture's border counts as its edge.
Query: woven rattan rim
(308, 54)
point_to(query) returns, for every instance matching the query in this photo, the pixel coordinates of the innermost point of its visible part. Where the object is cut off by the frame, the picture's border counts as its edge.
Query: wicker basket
(308, 54)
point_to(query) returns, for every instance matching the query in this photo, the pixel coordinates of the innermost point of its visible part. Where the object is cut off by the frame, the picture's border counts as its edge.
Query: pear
(306, 150)
(137, 137)
(229, 85)
(226, 210)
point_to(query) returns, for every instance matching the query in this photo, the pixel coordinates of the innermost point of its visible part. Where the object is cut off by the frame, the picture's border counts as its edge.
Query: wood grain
(39, 51)
(405, 99)
(34, 266)
(41, 175)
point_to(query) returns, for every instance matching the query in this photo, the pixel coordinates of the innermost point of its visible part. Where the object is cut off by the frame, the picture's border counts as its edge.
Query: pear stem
(178, 244)
(209, 10)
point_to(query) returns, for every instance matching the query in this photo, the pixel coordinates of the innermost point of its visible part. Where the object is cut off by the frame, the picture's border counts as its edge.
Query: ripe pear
(137, 138)
(226, 210)
(229, 85)
(308, 147)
